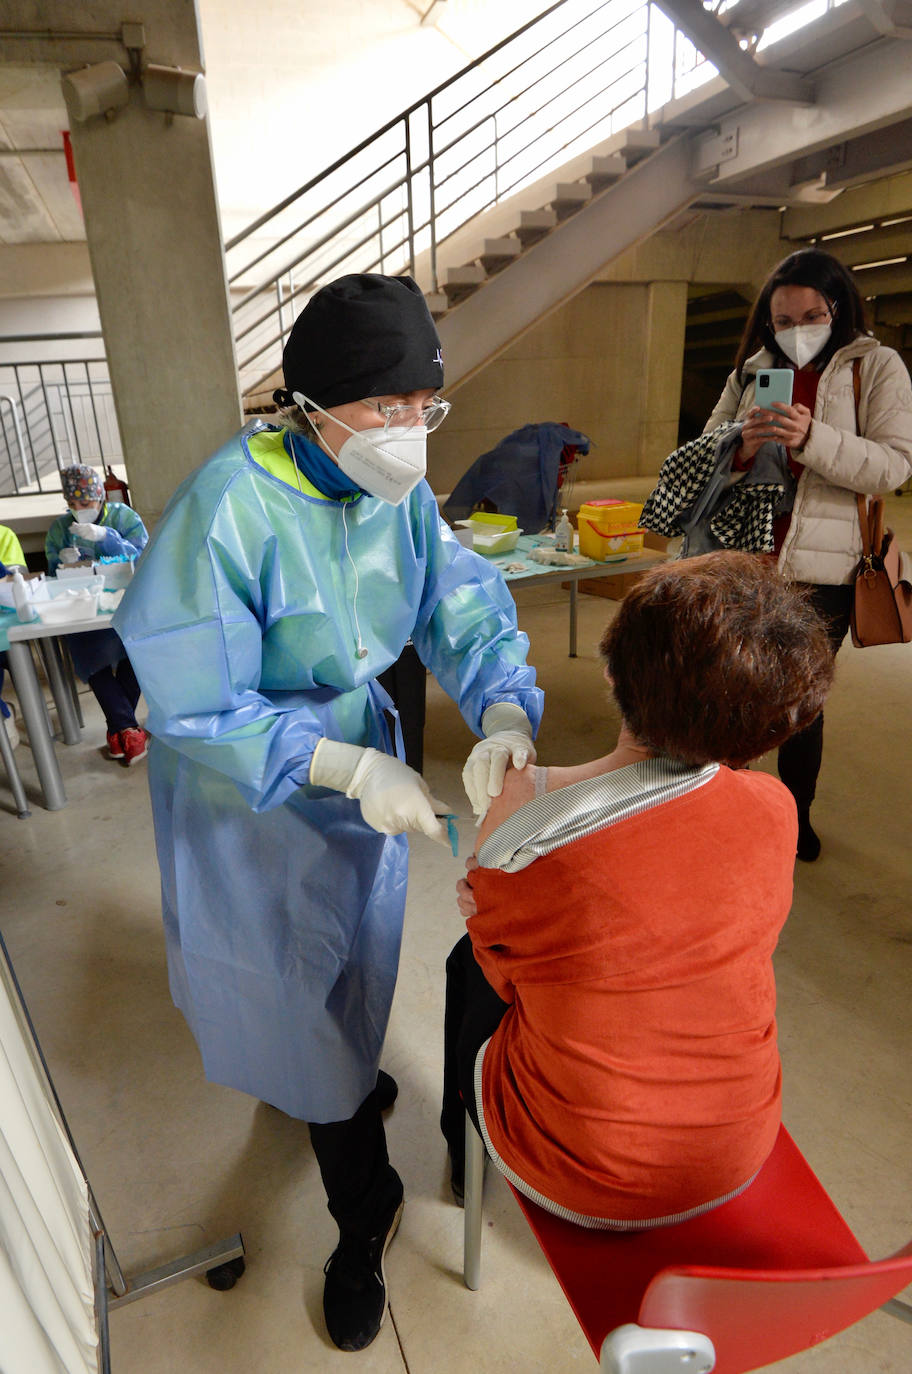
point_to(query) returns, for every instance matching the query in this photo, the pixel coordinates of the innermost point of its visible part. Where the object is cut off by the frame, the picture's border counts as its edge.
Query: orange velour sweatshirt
(635, 1075)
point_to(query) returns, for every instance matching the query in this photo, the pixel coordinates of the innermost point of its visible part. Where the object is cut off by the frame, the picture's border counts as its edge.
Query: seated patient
(610, 1018)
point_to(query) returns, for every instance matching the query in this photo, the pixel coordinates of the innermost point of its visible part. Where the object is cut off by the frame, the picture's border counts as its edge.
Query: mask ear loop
(301, 400)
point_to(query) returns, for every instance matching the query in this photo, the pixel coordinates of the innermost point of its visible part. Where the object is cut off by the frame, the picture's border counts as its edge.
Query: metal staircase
(561, 200)
(507, 189)
(538, 128)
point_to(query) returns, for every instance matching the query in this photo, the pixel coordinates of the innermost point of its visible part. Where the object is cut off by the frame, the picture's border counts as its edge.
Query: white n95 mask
(387, 463)
(803, 342)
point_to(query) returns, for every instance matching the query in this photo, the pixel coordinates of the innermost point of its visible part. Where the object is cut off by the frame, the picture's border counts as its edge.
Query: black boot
(808, 840)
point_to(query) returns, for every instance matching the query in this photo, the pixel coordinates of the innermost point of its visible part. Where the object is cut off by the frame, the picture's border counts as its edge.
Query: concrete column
(660, 397)
(152, 223)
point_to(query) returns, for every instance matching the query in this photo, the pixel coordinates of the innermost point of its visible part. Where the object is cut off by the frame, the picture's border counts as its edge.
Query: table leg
(70, 674)
(60, 690)
(31, 699)
(12, 772)
(573, 617)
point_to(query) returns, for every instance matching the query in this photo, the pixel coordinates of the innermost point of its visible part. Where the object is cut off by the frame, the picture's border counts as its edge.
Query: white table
(539, 572)
(31, 697)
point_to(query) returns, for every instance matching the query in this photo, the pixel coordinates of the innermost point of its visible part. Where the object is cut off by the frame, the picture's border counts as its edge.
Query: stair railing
(62, 412)
(11, 401)
(561, 84)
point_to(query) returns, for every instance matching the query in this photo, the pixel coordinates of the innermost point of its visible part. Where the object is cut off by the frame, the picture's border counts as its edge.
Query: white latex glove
(508, 739)
(393, 797)
(69, 555)
(94, 533)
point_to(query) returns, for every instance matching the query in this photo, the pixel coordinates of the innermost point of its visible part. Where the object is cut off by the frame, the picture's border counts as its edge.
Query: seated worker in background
(610, 1014)
(92, 528)
(11, 555)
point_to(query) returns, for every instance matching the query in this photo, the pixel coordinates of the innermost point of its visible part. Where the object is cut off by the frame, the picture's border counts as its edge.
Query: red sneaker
(115, 745)
(135, 744)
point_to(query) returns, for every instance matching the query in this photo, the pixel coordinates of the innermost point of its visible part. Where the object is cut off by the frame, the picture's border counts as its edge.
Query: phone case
(773, 384)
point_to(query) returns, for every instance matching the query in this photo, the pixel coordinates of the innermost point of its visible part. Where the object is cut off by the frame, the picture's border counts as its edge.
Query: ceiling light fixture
(174, 91)
(102, 89)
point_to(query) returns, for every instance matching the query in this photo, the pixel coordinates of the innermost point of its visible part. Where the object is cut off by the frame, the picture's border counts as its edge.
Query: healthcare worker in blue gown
(286, 574)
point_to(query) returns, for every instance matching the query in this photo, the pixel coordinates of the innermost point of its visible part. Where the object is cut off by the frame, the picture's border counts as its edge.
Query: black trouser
(362, 1187)
(800, 756)
(472, 1014)
(406, 682)
(117, 692)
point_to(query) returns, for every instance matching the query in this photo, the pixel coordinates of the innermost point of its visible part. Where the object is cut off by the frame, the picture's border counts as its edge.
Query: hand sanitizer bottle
(25, 611)
(563, 535)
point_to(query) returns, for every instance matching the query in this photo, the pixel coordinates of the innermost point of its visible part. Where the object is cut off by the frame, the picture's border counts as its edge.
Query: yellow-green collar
(267, 449)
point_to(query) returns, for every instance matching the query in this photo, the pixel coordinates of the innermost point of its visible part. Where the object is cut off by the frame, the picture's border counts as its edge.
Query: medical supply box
(607, 530)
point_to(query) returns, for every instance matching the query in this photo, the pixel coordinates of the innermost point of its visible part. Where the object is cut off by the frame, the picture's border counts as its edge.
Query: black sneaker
(354, 1295)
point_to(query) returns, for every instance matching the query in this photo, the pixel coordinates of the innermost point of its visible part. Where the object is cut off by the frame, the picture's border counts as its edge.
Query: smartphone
(773, 384)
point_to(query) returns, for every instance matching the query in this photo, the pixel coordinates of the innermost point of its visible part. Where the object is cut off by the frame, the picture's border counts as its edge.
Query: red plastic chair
(770, 1273)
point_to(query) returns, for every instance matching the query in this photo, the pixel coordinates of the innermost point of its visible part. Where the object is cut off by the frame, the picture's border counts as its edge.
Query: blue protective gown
(125, 536)
(283, 909)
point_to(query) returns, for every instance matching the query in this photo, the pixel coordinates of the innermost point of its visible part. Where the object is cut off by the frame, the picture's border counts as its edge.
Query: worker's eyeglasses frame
(430, 416)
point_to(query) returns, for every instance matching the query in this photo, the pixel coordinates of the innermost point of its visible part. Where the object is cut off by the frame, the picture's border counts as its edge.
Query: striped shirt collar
(546, 823)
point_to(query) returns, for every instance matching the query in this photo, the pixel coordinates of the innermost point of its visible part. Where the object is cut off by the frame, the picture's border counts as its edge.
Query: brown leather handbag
(882, 609)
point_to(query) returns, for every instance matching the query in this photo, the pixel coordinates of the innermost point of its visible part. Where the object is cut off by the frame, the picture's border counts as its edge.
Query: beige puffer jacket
(823, 543)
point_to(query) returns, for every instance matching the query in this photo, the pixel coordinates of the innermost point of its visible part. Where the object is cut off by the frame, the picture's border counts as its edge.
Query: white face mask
(88, 516)
(803, 342)
(387, 463)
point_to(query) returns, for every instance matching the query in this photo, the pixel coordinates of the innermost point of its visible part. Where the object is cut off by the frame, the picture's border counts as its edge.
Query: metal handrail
(47, 394)
(392, 124)
(11, 402)
(442, 162)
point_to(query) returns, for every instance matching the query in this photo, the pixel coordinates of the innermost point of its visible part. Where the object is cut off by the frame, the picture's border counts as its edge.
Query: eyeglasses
(431, 416)
(820, 315)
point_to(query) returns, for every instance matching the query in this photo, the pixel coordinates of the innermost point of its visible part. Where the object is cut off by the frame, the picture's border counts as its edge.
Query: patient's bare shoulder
(518, 788)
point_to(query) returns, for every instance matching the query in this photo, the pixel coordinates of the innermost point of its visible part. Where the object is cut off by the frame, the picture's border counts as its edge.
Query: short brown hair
(717, 659)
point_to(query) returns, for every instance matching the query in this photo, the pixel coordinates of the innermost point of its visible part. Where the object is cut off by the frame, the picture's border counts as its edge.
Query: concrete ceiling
(37, 202)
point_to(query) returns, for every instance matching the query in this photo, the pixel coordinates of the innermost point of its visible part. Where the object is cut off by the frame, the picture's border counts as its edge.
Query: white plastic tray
(68, 607)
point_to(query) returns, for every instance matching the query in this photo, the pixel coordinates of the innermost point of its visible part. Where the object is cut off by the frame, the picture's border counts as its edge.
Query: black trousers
(406, 682)
(117, 692)
(472, 1014)
(801, 755)
(362, 1187)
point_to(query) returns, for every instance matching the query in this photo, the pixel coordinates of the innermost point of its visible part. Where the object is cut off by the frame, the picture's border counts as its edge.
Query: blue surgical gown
(283, 909)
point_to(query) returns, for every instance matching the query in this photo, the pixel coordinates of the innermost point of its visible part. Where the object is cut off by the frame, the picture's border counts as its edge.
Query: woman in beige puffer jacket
(809, 317)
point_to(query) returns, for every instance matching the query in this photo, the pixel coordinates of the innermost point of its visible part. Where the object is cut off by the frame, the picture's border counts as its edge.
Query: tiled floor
(177, 1163)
